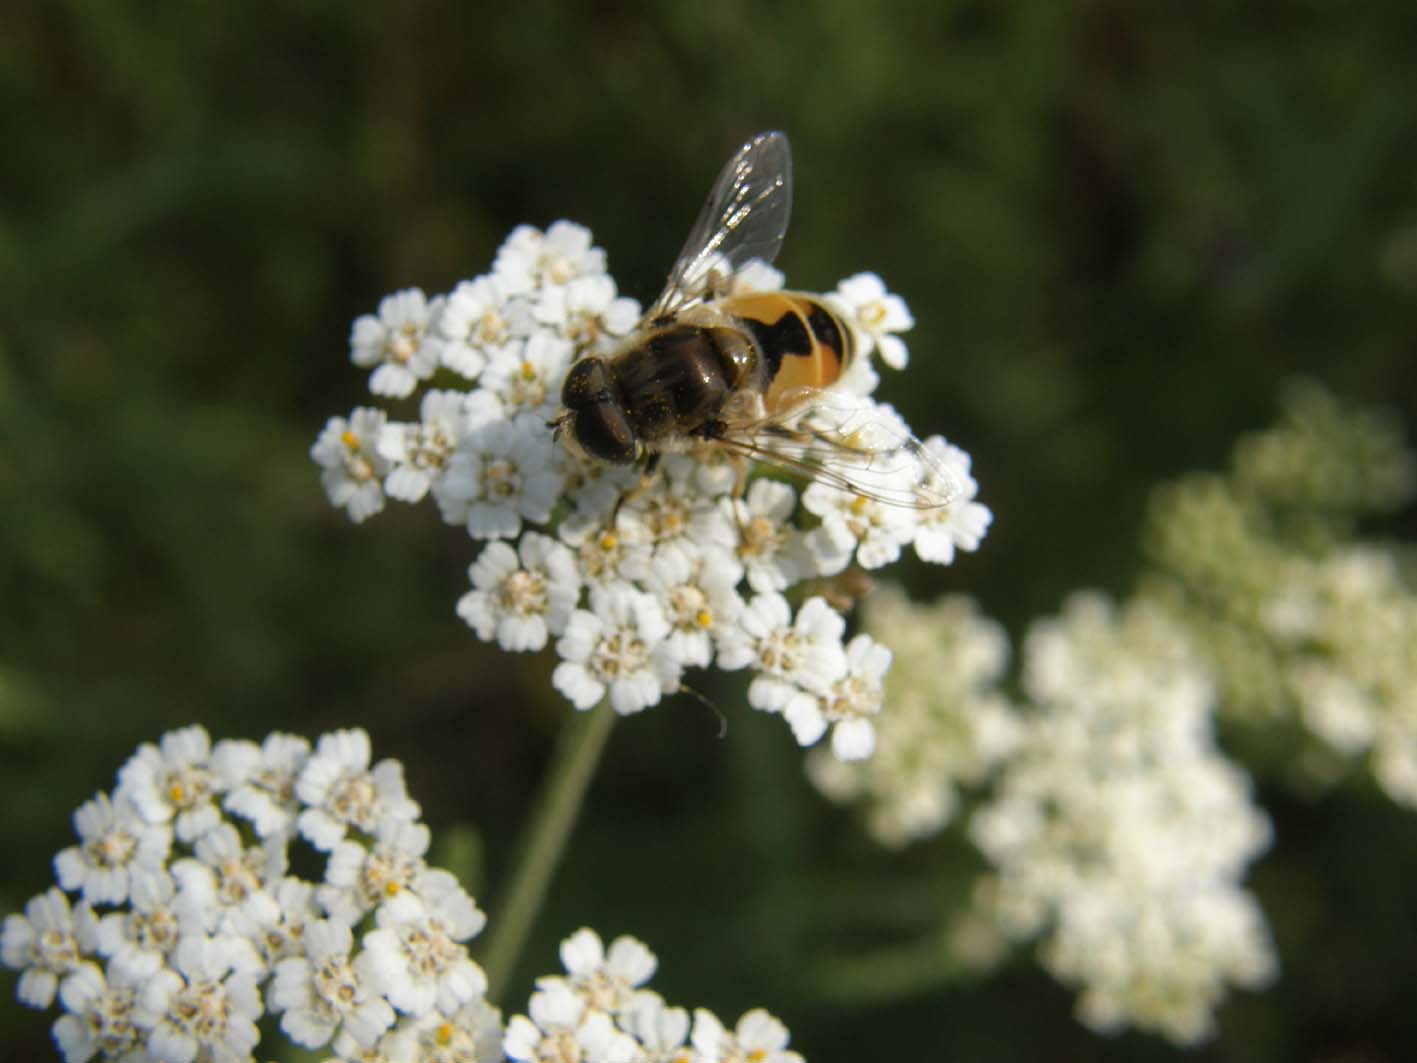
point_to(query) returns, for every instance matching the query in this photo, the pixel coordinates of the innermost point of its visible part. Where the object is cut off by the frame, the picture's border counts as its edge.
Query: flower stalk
(543, 841)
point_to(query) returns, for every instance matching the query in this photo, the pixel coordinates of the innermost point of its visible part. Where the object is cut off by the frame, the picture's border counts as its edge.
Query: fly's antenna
(709, 704)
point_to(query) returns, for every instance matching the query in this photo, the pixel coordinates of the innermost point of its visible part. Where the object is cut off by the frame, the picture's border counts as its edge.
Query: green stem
(891, 973)
(547, 831)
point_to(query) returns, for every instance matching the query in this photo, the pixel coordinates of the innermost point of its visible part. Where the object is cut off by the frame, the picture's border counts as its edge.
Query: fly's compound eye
(598, 420)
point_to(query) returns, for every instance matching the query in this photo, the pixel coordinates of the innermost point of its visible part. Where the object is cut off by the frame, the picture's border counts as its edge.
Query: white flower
(594, 489)
(961, 524)
(874, 315)
(848, 704)
(260, 781)
(526, 377)
(46, 943)
(98, 1017)
(755, 275)
(478, 321)
(273, 920)
(796, 659)
(342, 791)
(141, 937)
(696, 591)
(417, 955)
(114, 843)
(418, 453)
(587, 312)
(204, 1006)
(473, 1034)
(520, 596)
(680, 507)
(769, 546)
(500, 475)
(757, 1038)
(562, 1028)
(352, 471)
(853, 524)
(860, 378)
(359, 876)
(604, 557)
(223, 872)
(605, 981)
(173, 782)
(393, 343)
(614, 647)
(531, 259)
(661, 1030)
(324, 991)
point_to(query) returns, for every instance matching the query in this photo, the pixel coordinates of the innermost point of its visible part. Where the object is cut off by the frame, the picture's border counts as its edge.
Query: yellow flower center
(402, 345)
(492, 326)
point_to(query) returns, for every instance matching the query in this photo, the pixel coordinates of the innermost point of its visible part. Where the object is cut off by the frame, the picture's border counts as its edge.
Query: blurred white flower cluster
(176, 924)
(1118, 831)
(949, 724)
(1300, 619)
(631, 587)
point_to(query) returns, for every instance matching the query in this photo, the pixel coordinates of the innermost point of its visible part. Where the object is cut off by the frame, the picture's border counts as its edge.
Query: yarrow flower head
(178, 960)
(1119, 833)
(636, 580)
(1301, 620)
(175, 931)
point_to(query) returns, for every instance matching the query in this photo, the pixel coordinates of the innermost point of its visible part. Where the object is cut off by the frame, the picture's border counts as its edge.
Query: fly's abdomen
(801, 344)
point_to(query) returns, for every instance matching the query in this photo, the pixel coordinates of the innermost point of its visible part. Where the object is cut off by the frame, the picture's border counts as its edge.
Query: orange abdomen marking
(801, 343)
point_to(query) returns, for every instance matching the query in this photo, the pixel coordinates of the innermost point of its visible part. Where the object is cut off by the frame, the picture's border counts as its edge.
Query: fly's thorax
(674, 380)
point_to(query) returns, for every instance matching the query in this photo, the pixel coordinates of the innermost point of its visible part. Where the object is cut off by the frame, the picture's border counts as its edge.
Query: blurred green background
(1119, 227)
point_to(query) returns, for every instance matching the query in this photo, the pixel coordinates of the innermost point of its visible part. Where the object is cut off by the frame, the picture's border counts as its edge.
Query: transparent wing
(744, 218)
(853, 444)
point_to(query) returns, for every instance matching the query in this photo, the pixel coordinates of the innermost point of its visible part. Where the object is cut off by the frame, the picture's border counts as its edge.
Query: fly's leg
(741, 469)
(648, 476)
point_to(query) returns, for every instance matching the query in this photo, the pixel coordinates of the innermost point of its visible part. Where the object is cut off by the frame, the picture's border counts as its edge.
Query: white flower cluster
(1325, 456)
(183, 908)
(1120, 833)
(1347, 630)
(632, 584)
(949, 725)
(599, 1011)
(1300, 619)
(176, 914)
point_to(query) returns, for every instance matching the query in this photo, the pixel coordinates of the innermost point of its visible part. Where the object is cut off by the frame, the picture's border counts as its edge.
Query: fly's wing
(854, 444)
(744, 218)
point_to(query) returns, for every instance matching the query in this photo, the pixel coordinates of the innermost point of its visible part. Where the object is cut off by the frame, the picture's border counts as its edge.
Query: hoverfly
(752, 375)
